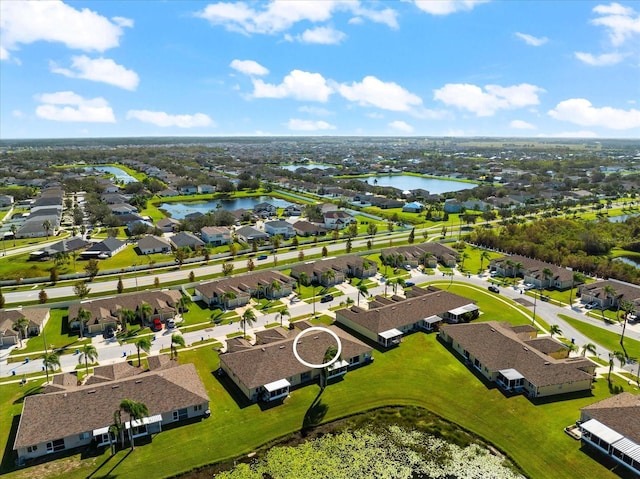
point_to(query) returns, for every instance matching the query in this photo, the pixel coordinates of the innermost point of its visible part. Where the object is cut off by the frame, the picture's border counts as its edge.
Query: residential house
(105, 313)
(337, 219)
(266, 371)
(249, 234)
(168, 225)
(113, 198)
(168, 193)
(67, 245)
(279, 227)
(188, 189)
(452, 206)
(216, 235)
(6, 201)
(184, 239)
(153, 244)
(293, 210)
(341, 267)
(51, 422)
(107, 248)
(237, 291)
(511, 358)
(610, 293)
(37, 318)
(413, 207)
(206, 189)
(532, 271)
(122, 209)
(426, 254)
(305, 228)
(612, 426)
(265, 210)
(386, 321)
(385, 203)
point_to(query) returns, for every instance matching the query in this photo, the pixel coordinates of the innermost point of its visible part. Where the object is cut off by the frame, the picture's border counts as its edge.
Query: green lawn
(607, 339)
(432, 377)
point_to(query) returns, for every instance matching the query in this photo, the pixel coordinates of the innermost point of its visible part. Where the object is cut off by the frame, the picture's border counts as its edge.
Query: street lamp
(136, 274)
(535, 298)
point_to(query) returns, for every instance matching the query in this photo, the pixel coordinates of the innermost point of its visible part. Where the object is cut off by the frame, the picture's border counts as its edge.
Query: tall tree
(145, 312)
(275, 287)
(87, 353)
(329, 276)
(554, 329)
(546, 274)
(575, 278)
(92, 268)
(588, 348)
(21, 325)
(372, 229)
(83, 318)
(50, 361)
(329, 354)
(42, 296)
(81, 290)
(484, 255)
(303, 279)
(143, 343)
(283, 313)
(46, 224)
(412, 236)
(248, 317)
(136, 411)
(176, 340)
(362, 291)
(619, 355)
(120, 285)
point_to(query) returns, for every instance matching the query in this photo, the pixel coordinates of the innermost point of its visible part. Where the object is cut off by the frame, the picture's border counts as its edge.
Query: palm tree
(484, 256)
(143, 343)
(136, 411)
(509, 263)
(554, 329)
(575, 278)
(546, 274)
(127, 316)
(329, 276)
(589, 348)
(284, 312)
(329, 354)
(275, 286)
(619, 355)
(303, 278)
(50, 361)
(464, 256)
(248, 317)
(46, 224)
(362, 291)
(21, 325)
(517, 266)
(226, 296)
(87, 353)
(14, 230)
(627, 307)
(176, 340)
(83, 318)
(145, 311)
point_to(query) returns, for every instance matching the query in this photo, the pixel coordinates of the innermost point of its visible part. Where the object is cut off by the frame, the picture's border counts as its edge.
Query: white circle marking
(311, 365)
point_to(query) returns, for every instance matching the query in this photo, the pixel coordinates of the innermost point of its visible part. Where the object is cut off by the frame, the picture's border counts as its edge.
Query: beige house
(387, 320)
(532, 271)
(426, 254)
(328, 272)
(37, 318)
(76, 416)
(269, 369)
(514, 359)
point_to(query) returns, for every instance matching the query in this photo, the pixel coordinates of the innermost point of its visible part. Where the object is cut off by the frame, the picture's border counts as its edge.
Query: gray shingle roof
(620, 412)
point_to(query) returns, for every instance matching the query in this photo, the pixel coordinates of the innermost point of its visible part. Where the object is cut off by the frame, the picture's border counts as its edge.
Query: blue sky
(378, 68)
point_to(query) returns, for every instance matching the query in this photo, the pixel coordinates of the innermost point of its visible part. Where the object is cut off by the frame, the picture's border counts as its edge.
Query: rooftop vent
(281, 347)
(262, 349)
(526, 348)
(546, 363)
(138, 381)
(116, 386)
(91, 392)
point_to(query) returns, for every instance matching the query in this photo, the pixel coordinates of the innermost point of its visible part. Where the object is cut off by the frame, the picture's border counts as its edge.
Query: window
(57, 445)
(180, 414)
(354, 360)
(84, 436)
(198, 407)
(32, 448)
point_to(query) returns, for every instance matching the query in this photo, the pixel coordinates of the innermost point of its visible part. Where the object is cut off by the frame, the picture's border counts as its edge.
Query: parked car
(156, 325)
(409, 283)
(407, 267)
(262, 256)
(326, 298)
(109, 333)
(591, 305)
(494, 289)
(170, 324)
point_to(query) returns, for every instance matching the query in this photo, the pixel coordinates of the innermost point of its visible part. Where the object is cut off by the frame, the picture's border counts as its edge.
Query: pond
(434, 186)
(309, 166)
(119, 174)
(183, 208)
(622, 218)
(626, 260)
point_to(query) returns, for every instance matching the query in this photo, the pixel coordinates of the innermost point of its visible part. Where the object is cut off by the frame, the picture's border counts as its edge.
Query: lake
(434, 186)
(629, 261)
(183, 208)
(120, 175)
(621, 218)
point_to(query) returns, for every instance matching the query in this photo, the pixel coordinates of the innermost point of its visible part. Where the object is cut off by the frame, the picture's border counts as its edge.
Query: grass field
(607, 339)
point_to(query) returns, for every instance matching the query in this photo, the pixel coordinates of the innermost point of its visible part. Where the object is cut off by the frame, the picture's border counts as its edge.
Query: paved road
(110, 351)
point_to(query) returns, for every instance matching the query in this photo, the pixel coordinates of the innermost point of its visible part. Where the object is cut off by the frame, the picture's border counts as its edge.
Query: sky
(309, 68)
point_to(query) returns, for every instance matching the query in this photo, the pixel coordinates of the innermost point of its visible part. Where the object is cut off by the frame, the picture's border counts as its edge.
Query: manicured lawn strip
(537, 444)
(607, 339)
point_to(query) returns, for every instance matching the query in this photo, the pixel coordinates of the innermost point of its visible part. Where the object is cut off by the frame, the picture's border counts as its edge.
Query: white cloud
(123, 22)
(314, 110)
(4, 53)
(18, 114)
(522, 125)
(445, 7)
(571, 134)
(375, 115)
(69, 106)
(622, 23)
(101, 70)
(583, 113)
(298, 85)
(604, 59)
(53, 21)
(249, 67)
(308, 125)
(278, 16)
(322, 35)
(493, 98)
(160, 118)
(401, 126)
(386, 95)
(531, 40)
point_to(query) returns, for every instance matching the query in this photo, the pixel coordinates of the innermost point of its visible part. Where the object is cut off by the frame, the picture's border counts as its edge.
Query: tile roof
(265, 363)
(85, 408)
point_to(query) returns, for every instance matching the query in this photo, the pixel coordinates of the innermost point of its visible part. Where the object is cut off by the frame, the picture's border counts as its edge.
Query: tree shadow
(108, 474)
(8, 457)
(315, 414)
(234, 391)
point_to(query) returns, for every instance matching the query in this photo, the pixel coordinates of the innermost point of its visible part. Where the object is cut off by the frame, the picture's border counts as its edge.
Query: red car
(156, 325)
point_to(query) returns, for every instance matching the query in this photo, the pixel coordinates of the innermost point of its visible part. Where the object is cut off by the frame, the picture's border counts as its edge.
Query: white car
(170, 324)
(407, 267)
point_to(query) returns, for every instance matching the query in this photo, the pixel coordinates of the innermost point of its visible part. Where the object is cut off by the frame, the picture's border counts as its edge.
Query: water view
(119, 174)
(410, 182)
(181, 209)
(309, 166)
